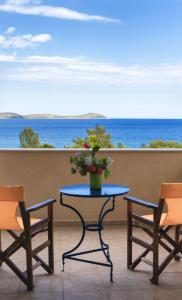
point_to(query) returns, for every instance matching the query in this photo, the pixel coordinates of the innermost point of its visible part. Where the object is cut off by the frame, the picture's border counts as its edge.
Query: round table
(109, 192)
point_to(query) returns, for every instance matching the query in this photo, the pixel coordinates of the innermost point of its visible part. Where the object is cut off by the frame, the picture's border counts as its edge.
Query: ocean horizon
(61, 132)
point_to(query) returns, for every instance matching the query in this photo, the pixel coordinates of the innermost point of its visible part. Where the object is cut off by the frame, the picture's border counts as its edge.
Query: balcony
(42, 172)
(85, 281)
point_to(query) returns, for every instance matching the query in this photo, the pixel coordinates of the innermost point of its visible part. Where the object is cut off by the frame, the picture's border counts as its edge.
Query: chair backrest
(10, 197)
(172, 193)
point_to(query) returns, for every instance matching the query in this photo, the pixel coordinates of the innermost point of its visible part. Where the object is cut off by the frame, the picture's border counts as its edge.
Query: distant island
(10, 115)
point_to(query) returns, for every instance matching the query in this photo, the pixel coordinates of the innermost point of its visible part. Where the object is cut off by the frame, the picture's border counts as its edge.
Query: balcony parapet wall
(43, 171)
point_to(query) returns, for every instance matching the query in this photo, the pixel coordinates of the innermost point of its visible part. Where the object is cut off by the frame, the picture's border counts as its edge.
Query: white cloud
(27, 7)
(10, 30)
(21, 2)
(2, 39)
(7, 58)
(41, 38)
(95, 67)
(51, 59)
(78, 69)
(23, 41)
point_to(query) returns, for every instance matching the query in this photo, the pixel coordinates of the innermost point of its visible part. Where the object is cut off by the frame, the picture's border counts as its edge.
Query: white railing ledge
(101, 150)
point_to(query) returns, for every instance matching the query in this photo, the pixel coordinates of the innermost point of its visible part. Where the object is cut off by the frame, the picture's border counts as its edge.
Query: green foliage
(162, 144)
(96, 136)
(46, 146)
(87, 162)
(78, 142)
(30, 139)
(121, 145)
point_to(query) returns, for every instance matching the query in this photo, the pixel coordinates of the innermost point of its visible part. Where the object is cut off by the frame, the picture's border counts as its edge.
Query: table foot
(111, 277)
(63, 263)
(105, 246)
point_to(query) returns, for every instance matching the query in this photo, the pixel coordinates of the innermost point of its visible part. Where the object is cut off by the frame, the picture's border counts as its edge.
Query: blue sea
(60, 133)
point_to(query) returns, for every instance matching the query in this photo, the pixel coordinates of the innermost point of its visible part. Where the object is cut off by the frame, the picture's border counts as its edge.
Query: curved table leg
(83, 229)
(104, 246)
(92, 227)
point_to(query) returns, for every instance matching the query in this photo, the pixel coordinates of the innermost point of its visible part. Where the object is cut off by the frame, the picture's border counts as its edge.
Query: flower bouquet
(87, 162)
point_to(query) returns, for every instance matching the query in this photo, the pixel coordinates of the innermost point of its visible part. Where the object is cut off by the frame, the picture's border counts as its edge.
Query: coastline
(95, 118)
(61, 132)
(10, 115)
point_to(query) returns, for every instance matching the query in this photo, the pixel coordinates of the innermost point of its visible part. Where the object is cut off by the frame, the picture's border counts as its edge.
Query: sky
(120, 58)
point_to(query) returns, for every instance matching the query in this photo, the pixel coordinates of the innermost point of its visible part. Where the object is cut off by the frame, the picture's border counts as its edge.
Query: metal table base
(71, 254)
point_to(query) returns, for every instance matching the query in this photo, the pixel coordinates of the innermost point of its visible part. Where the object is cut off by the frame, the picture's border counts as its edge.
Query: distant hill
(91, 116)
(9, 115)
(52, 116)
(42, 116)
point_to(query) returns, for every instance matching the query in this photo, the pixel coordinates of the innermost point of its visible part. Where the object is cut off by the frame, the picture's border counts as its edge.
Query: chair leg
(51, 247)
(0, 247)
(50, 238)
(155, 277)
(177, 240)
(29, 263)
(129, 241)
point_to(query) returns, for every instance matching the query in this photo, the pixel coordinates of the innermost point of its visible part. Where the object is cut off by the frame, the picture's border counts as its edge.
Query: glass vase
(95, 181)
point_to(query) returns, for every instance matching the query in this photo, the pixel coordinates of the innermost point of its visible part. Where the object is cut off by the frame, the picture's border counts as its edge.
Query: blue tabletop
(83, 190)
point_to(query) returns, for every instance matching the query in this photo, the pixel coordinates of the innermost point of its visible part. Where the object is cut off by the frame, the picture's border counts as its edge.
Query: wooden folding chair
(10, 198)
(165, 215)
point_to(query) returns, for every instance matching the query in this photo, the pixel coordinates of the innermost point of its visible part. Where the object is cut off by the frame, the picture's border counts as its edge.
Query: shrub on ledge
(162, 144)
(30, 139)
(96, 136)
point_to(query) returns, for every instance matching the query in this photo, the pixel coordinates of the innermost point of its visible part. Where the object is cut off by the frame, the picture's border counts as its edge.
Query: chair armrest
(141, 202)
(40, 205)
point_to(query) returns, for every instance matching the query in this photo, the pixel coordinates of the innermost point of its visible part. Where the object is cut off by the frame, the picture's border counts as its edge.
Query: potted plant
(87, 162)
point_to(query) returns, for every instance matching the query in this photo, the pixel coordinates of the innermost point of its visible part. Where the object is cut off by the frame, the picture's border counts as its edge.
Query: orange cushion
(151, 216)
(20, 222)
(17, 224)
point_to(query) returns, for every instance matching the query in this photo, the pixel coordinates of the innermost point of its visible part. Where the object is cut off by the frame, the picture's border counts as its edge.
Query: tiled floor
(85, 281)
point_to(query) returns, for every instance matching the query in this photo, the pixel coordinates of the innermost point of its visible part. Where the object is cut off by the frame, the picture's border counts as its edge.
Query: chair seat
(32, 221)
(151, 216)
(17, 226)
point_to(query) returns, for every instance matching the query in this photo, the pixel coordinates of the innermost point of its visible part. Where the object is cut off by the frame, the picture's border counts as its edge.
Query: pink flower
(100, 170)
(78, 154)
(86, 146)
(91, 168)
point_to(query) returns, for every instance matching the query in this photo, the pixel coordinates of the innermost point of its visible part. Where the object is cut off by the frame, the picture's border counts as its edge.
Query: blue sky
(121, 58)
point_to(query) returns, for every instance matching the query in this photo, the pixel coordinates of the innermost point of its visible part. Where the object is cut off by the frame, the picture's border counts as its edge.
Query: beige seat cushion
(17, 224)
(151, 216)
(20, 222)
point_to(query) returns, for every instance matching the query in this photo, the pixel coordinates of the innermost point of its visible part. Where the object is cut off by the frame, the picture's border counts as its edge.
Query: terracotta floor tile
(87, 281)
